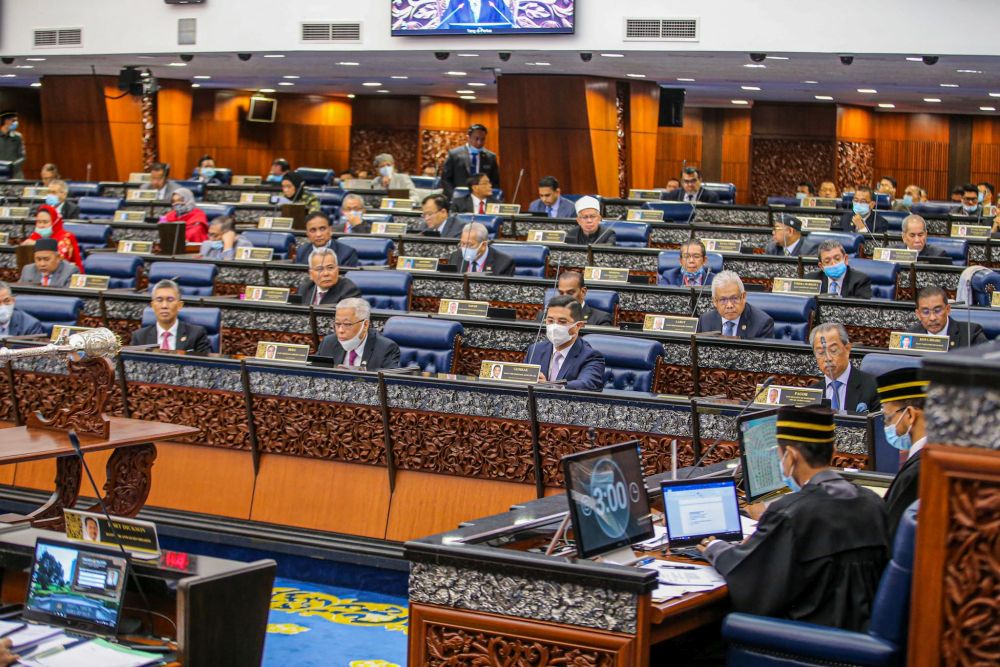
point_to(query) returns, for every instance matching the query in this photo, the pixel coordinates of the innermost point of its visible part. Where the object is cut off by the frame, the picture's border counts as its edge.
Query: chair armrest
(808, 640)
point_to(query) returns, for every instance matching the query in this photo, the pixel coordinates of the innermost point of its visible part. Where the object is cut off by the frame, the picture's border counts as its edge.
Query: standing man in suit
(565, 356)
(354, 343)
(691, 189)
(693, 270)
(934, 313)
(480, 194)
(848, 388)
(469, 159)
(56, 198)
(436, 218)
(48, 269)
(352, 216)
(862, 216)
(570, 284)
(12, 144)
(836, 277)
(732, 315)
(169, 332)
(915, 238)
(588, 225)
(15, 322)
(320, 235)
(158, 180)
(550, 202)
(325, 287)
(475, 256)
(786, 239)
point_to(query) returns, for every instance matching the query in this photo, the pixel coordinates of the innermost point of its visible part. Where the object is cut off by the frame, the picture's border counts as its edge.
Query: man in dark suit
(49, 269)
(15, 322)
(862, 216)
(836, 277)
(169, 332)
(57, 198)
(436, 219)
(691, 189)
(352, 216)
(693, 270)
(480, 194)
(848, 388)
(325, 287)
(571, 284)
(588, 229)
(475, 256)
(354, 343)
(320, 235)
(934, 313)
(971, 205)
(566, 356)
(550, 202)
(159, 180)
(732, 315)
(786, 238)
(470, 159)
(915, 238)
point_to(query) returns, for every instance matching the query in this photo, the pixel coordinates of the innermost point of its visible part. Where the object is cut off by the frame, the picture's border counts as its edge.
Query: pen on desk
(13, 630)
(680, 567)
(644, 561)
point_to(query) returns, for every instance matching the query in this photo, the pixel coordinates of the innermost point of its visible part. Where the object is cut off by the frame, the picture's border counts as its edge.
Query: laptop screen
(76, 587)
(700, 508)
(758, 436)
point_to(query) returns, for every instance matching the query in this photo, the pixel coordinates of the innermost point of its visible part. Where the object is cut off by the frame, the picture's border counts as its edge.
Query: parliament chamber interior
(499, 333)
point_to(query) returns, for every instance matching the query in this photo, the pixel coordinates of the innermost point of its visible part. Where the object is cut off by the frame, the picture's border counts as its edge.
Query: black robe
(902, 492)
(817, 556)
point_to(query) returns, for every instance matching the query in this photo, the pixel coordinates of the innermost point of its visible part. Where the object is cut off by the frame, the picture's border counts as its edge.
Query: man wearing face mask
(971, 202)
(352, 216)
(836, 277)
(222, 240)
(805, 189)
(862, 216)
(475, 256)
(903, 393)
(48, 268)
(206, 172)
(355, 343)
(15, 322)
(279, 168)
(693, 271)
(911, 196)
(565, 356)
(11, 144)
(388, 178)
(56, 198)
(986, 190)
(472, 158)
(818, 553)
(786, 239)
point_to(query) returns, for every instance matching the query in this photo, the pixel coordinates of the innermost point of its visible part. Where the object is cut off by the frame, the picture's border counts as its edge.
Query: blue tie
(835, 398)
(729, 329)
(551, 211)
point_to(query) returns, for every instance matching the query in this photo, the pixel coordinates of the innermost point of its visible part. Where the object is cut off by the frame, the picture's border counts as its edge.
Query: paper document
(7, 627)
(749, 526)
(95, 653)
(659, 537)
(677, 579)
(32, 634)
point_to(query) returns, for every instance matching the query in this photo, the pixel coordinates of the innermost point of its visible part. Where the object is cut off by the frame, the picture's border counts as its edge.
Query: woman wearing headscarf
(294, 190)
(183, 209)
(49, 225)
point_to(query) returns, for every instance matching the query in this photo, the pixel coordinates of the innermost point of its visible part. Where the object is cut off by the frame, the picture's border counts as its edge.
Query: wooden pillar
(173, 125)
(855, 147)
(644, 112)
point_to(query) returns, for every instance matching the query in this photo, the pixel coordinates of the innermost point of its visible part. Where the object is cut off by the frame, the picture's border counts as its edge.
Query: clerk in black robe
(818, 554)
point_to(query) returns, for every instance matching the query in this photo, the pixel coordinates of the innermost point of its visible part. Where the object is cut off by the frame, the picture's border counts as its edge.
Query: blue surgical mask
(982, 196)
(215, 245)
(180, 208)
(971, 208)
(13, 126)
(900, 442)
(6, 312)
(862, 209)
(274, 178)
(44, 232)
(208, 172)
(800, 195)
(788, 479)
(52, 200)
(907, 201)
(469, 254)
(836, 271)
(690, 275)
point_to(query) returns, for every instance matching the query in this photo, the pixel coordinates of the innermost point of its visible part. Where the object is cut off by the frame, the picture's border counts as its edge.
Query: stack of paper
(675, 579)
(94, 653)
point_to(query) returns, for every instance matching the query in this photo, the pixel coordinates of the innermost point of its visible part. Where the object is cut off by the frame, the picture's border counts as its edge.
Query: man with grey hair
(388, 178)
(915, 238)
(732, 315)
(325, 287)
(58, 192)
(475, 256)
(354, 343)
(15, 322)
(836, 277)
(352, 216)
(169, 332)
(849, 389)
(222, 240)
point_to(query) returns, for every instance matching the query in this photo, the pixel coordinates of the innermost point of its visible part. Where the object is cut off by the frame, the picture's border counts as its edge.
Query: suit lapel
(366, 354)
(543, 357)
(741, 327)
(571, 354)
(182, 335)
(953, 333)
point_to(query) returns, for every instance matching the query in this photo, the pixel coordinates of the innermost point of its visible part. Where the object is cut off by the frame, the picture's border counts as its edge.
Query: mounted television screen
(482, 17)
(262, 110)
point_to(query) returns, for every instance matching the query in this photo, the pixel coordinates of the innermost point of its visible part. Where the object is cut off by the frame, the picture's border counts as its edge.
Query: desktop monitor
(607, 496)
(694, 509)
(758, 440)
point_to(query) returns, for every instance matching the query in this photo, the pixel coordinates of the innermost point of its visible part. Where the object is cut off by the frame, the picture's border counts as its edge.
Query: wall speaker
(671, 107)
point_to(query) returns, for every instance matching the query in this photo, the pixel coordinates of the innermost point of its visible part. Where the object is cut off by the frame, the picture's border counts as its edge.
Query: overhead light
(867, 91)
(636, 76)
(144, 73)
(740, 101)
(35, 60)
(825, 98)
(468, 97)
(810, 82)
(291, 76)
(476, 84)
(750, 87)
(541, 64)
(372, 84)
(399, 76)
(274, 55)
(987, 108)
(351, 96)
(932, 99)
(455, 73)
(24, 67)
(612, 55)
(202, 76)
(467, 55)
(777, 57)
(382, 90)
(196, 85)
(969, 71)
(949, 85)
(37, 84)
(7, 76)
(177, 64)
(466, 92)
(756, 65)
(914, 59)
(348, 63)
(994, 94)
(285, 83)
(886, 105)
(266, 90)
(685, 79)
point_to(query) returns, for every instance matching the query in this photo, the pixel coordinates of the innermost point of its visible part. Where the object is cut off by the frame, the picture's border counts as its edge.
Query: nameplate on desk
(266, 294)
(254, 254)
(389, 228)
(902, 340)
(503, 209)
(819, 202)
(810, 224)
(670, 324)
(291, 352)
(34, 192)
(995, 300)
(139, 177)
(803, 286)
(605, 274)
(255, 197)
(4, 238)
(14, 211)
(723, 245)
(246, 180)
(135, 194)
(644, 194)
(61, 330)
(88, 281)
(547, 235)
(405, 263)
(644, 215)
(275, 223)
(135, 247)
(970, 231)
(505, 371)
(466, 308)
(390, 203)
(137, 537)
(782, 395)
(897, 255)
(129, 216)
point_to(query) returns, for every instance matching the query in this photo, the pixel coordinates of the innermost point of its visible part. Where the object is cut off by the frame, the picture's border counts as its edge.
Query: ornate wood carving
(869, 336)
(470, 358)
(674, 379)
(842, 460)
(367, 143)
(435, 144)
(84, 411)
(742, 384)
(779, 164)
(452, 647)
(220, 415)
(47, 392)
(631, 316)
(525, 311)
(123, 328)
(244, 341)
(223, 289)
(855, 164)
(129, 479)
(6, 402)
(425, 304)
(9, 275)
(67, 490)
(332, 431)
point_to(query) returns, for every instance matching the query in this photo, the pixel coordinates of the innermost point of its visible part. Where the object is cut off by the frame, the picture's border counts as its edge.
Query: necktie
(554, 366)
(482, 207)
(834, 287)
(352, 358)
(835, 398)
(550, 211)
(165, 342)
(688, 197)
(729, 329)
(45, 280)
(319, 297)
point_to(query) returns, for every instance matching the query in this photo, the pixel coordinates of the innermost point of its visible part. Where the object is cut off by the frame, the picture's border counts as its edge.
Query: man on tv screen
(462, 13)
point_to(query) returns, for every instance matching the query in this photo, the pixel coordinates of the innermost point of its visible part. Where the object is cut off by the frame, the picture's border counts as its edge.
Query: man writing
(48, 268)
(354, 343)
(436, 219)
(934, 315)
(169, 332)
(564, 355)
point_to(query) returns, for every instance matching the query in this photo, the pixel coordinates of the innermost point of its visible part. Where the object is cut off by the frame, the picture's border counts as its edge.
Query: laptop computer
(694, 509)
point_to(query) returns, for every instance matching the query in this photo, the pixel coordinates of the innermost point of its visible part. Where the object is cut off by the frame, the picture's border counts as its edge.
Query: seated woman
(293, 189)
(388, 178)
(49, 225)
(183, 209)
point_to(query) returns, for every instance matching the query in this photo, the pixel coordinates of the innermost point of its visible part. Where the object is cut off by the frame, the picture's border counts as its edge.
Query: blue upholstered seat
(213, 211)
(629, 363)
(987, 318)
(673, 211)
(372, 250)
(281, 242)
(335, 194)
(384, 290)
(314, 176)
(792, 314)
(98, 208)
(197, 188)
(957, 249)
(194, 279)
(894, 218)
(671, 259)
(877, 363)
(209, 319)
(426, 342)
(529, 259)
(933, 207)
(89, 236)
(852, 242)
(51, 310)
(782, 201)
(760, 641)
(123, 269)
(631, 234)
(425, 182)
(83, 189)
(980, 282)
(601, 299)
(726, 191)
(491, 222)
(883, 275)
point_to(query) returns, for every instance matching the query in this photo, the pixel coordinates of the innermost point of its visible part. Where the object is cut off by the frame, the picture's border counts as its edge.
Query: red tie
(165, 343)
(45, 280)
(482, 207)
(352, 357)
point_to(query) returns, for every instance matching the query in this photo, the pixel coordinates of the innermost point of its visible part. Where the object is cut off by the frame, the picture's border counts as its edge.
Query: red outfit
(68, 247)
(196, 224)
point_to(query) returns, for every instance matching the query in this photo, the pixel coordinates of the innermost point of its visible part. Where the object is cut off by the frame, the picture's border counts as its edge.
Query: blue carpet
(331, 626)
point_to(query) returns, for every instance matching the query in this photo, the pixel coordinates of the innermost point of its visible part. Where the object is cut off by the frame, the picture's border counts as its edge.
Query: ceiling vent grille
(661, 30)
(55, 37)
(331, 32)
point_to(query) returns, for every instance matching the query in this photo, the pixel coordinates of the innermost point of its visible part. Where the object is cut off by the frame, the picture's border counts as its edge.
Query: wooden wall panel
(855, 123)
(173, 124)
(736, 159)
(676, 146)
(855, 147)
(913, 148)
(985, 159)
(791, 143)
(602, 117)
(385, 124)
(796, 121)
(125, 123)
(644, 111)
(76, 126)
(27, 102)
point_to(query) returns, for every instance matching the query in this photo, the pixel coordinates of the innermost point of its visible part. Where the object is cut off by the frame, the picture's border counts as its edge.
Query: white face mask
(353, 343)
(558, 334)
(6, 312)
(470, 254)
(385, 171)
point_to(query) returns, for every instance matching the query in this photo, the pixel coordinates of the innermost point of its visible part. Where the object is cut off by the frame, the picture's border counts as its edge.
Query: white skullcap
(583, 203)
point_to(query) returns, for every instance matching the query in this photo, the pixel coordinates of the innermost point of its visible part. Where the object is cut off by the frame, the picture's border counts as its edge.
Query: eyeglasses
(345, 325)
(729, 300)
(936, 311)
(689, 181)
(326, 268)
(590, 217)
(165, 299)
(971, 200)
(692, 255)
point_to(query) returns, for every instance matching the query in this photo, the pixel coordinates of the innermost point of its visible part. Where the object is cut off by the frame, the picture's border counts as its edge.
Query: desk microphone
(556, 286)
(767, 383)
(509, 22)
(448, 16)
(704, 284)
(609, 228)
(520, 175)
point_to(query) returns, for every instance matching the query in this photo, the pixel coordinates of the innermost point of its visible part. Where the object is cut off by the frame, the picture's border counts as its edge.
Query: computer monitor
(694, 509)
(76, 587)
(607, 496)
(758, 439)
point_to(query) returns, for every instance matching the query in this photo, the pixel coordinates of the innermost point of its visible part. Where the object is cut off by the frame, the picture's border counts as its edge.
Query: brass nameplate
(819, 202)
(88, 281)
(139, 177)
(60, 330)
(782, 395)
(970, 231)
(266, 294)
(723, 245)
(897, 255)
(291, 352)
(803, 286)
(547, 235)
(389, 228)
(246, 180)
(635, 193)
(255, 197)
(466, 308)
(404, 204)
(995, 300)
(605, 274)
(901, 340)
(810, 224)
(135, 247)
(670, 324)
(34, 192)
(416, 264)
(275, 223)
(254, 254)
(135, 194)
(503, 209)
(505, 371)
(129, 216)
(644, 215)
(14, 211)
(4, 238)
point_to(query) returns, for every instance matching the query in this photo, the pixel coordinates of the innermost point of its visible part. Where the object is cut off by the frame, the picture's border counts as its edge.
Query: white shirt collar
(917, 446)
(173, 334)
(842, 378)
(944, 331)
